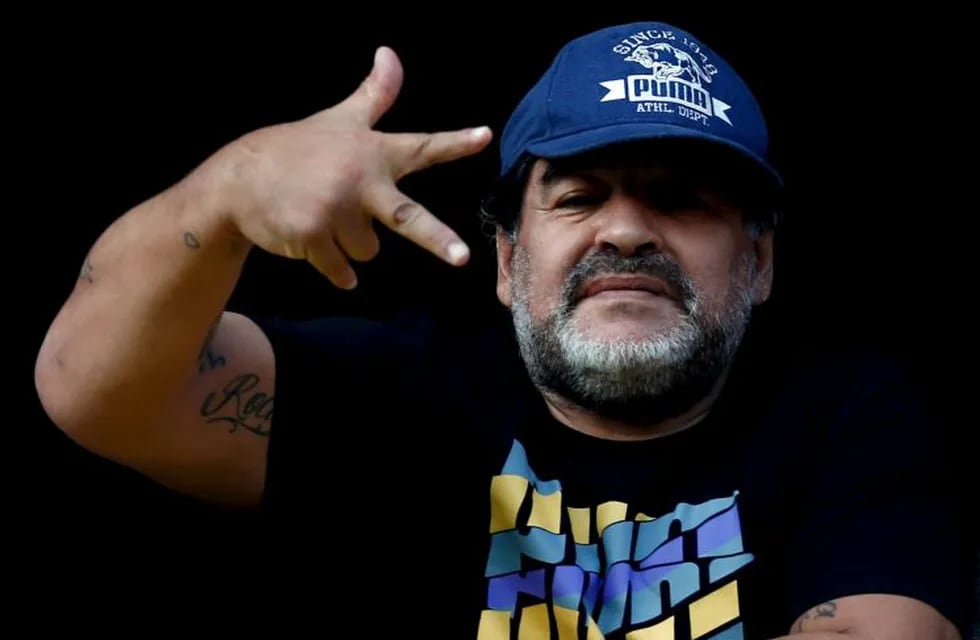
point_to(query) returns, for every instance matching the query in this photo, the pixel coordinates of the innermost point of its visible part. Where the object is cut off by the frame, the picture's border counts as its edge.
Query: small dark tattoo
(208, 358)
(825, 610)
(191, 241)
(86, 272)
(239, 406)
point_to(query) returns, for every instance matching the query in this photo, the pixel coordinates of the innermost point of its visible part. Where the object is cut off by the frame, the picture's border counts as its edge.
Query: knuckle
(412, 155)
(423, 145)
(328, 204)
(351, 169)
(307, 229)
(406, 214)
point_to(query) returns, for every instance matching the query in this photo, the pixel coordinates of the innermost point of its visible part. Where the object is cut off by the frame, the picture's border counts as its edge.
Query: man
(622, 462)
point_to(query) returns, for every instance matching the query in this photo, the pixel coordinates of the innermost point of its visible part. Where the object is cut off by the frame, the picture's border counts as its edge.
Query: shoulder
(862, 411)
(875, 479)
(826, 381)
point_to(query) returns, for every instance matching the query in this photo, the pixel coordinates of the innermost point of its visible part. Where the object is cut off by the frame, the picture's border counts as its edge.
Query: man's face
(630, 287)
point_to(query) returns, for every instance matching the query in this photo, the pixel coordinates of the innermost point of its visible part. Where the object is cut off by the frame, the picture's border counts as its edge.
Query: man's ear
(505, 251)
(762, 283)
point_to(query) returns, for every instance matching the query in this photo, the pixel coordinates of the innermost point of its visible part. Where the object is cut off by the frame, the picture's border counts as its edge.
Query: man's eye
(675, 200)
(577, 201)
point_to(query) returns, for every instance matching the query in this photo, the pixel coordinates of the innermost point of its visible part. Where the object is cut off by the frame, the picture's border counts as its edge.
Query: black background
(113, 108)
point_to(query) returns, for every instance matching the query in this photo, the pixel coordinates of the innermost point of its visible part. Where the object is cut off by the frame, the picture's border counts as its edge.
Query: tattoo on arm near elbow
(209, 359)
(191, 240)
(824, 610)
(85, 275)
(240, 405)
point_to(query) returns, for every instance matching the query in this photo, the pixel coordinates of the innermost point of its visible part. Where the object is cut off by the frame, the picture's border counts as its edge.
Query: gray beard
(637, 382)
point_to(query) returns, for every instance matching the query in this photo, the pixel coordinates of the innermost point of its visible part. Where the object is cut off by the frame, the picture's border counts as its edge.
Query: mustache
(604, 263)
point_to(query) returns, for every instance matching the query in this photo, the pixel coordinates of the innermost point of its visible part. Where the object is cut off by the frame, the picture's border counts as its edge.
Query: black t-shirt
(415, 471)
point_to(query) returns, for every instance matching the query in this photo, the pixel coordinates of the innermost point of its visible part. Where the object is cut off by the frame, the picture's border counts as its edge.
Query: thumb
(378, 91)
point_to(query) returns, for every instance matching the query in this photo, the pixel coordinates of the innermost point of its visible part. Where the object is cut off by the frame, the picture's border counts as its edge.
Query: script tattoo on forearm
(208, 358)
(239, 406)
(825, 610)
(191, 240)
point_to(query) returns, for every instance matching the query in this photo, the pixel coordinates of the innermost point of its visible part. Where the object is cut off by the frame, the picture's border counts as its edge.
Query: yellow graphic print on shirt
(563, 571)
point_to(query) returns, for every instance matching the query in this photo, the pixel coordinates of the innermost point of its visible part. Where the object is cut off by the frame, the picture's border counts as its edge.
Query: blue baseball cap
(636, 82)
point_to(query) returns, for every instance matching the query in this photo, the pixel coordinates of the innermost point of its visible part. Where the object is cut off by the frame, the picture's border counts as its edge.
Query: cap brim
(625, 133)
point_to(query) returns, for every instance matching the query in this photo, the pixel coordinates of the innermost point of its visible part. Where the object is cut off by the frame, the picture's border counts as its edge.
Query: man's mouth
(626, 283)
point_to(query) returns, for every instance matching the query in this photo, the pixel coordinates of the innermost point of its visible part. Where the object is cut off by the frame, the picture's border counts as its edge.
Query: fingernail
(458, 252)
(351, 283)
(480, 132)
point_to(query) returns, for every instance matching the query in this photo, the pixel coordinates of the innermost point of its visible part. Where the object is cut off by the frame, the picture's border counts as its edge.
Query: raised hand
(310, 189)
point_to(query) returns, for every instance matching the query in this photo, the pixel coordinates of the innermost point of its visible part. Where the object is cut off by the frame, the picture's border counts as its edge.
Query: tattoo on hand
(239, 406)
(208, 359)
(191, 241)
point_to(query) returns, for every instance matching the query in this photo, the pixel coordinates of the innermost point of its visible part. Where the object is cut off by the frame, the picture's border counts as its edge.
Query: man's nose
(628, 225)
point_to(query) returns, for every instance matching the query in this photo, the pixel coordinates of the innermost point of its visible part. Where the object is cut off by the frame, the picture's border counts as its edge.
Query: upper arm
(878, 514)
(212, 442)
(877, 616)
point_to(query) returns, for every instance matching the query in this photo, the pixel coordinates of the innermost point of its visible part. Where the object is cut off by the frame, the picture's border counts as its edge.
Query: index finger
(410, 219)
(409, 152)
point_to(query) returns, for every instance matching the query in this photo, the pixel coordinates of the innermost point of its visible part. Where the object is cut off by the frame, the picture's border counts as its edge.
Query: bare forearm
(134, 327)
